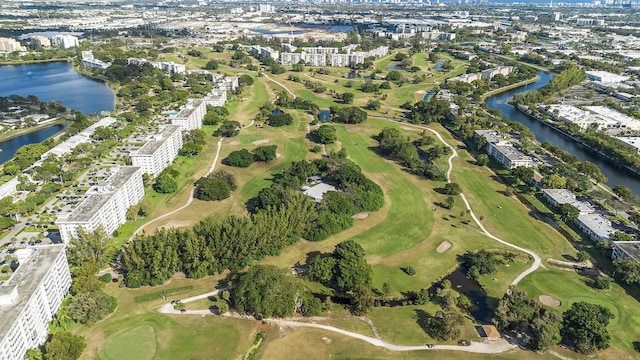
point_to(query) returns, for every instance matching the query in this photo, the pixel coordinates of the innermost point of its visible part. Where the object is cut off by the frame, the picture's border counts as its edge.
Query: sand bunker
(353, 129)
(234, 142)
(278, 155)
(260, 142)
(361, 215)
(549, 301)
(444, 246)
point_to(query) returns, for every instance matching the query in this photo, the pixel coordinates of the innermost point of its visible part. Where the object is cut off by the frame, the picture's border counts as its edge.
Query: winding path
(493, 347)
(281, 85)
(537, 261)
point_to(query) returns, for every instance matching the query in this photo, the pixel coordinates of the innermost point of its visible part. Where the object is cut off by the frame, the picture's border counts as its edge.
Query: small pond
(481, 310)
(438, 65)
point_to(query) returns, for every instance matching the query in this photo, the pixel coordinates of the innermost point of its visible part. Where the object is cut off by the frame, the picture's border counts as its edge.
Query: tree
(449, 202)
(568, 212)
(584, 326)
(165, 184)
(522, 173)
(211, 65)
(228, 129)
(265, 153)
(554, 181)
(347, 98)
(33, 354)
(362, 300)
(582, 256)
(245, 80)
(628, 270)
(515, 310)
(88, 246)
(620, 236)
(410, 270)
(350, 115)
(64, 345)
(89, 307)
(444, 325)
(622, 192)
(280, 119)
(482, 159)
(452, 189)
(373, 105)
(239, 158)
(352, 269)
(325, 134)
(394, 75)
(546, 331)
(482, 262)
(386, 289)
(211, 188)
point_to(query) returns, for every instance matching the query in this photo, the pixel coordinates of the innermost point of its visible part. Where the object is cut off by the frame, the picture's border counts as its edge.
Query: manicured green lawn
(135, 343)
(569, 287)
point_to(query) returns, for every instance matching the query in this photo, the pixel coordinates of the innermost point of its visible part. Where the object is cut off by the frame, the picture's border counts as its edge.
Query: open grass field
(137, 331)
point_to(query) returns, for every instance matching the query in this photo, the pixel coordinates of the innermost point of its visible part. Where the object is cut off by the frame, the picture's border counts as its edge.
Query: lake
(614, 174)
(57, 81)
(9, 147)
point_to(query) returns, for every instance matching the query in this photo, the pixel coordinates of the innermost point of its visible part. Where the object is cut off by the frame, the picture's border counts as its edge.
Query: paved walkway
(492, 347)
(537, 261)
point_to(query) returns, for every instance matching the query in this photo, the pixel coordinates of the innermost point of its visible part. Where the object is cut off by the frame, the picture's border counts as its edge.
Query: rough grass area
(136, 343)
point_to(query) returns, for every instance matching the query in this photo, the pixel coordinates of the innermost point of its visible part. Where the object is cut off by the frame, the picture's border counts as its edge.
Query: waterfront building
(9, 188)
(65, 41)
(191, 115)
(159, 152)
(166, 66)
(83, 136)
(106, 205)
(488, 74)
(632, 142)
(468, 78)
(30, 298)
(89, 61)
(626, 250)
(595, 226)
(502, 150)
(10, 45)
(39, 42)
(621, 121)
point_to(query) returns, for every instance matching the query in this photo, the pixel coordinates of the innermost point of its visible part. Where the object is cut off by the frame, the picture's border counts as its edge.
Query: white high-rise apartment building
(40, 42)
(217, 97)
(10, 45)
(30, 299)
(65, 41)
(191, 115)
(159, 152)
(106, 205)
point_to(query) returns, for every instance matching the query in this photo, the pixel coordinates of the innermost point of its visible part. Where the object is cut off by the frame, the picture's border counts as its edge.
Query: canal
(9, 147)
(543, 133)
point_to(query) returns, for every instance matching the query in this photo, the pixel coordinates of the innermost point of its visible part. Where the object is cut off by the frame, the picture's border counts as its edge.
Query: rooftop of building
(512, 153)
(630, 140)
(153, 145)
(597, 223)
(85, 211)
(564, 196)
(188, 109)
(25, 280)
(317, 192)
(631, 248)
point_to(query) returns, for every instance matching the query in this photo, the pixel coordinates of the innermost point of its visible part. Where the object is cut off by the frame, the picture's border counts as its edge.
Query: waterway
(543, 133)
(57, 81)
(9, 147)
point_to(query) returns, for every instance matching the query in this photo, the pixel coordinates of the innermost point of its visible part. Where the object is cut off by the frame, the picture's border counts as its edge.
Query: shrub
(106, 278)
(239, 158)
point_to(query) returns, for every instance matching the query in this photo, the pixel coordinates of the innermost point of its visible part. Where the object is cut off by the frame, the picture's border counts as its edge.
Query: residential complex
(65, 41)
(191, 115)
(159, 152)
(595, 226)
(10, 45)
(166, 66)
(106, 205)
(30, 298)
(485, 75)
(89, 61)
(626, 250)
(40, 42)
(501, 148)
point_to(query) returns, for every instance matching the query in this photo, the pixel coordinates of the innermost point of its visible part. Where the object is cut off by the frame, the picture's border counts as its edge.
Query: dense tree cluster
(215, 115)
(584, 326)
(425, 112)
(64, 345)
(216, 186)
(566, 75)
(265, 153)
(280, 119)
(266, 291)
(325, 134)
(239, 158)
(350, 115)
(229, 128)
(479, 263)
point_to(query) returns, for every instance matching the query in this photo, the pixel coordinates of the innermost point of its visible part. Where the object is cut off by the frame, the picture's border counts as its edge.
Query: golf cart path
(493, 347)
(537, 261)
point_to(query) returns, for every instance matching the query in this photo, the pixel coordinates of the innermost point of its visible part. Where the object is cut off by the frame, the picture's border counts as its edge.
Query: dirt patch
(176, 224)
(421, 92)
(278, 155)
(407, 128)
(549, 301)
(361, 215)
(353, 129)
(260, 142)
(234, 142)
(444, 246)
